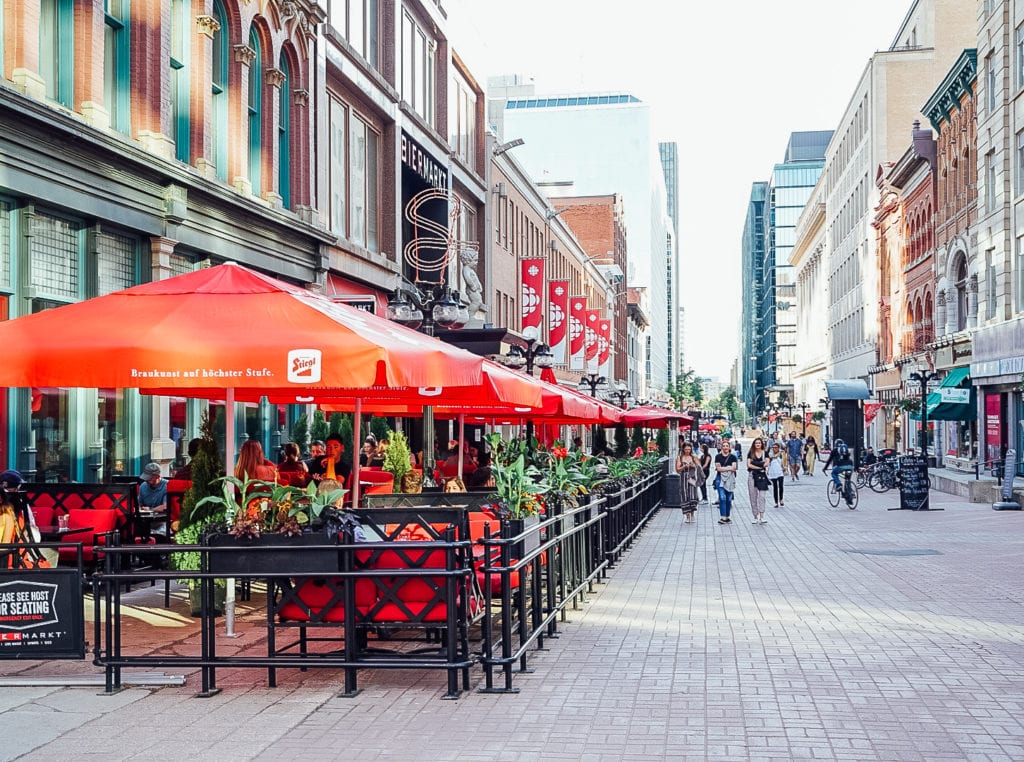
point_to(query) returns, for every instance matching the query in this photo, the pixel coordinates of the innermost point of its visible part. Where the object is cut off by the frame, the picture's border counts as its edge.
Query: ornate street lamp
(536, 353)
(594, 381)
(804, 407)
(922, 377)
(422, 307)
(620, 394)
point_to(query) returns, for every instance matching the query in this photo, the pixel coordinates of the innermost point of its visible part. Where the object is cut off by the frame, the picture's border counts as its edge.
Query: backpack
(842, 449)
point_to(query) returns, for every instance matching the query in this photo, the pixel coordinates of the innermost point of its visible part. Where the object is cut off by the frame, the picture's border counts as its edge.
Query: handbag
(760, 480)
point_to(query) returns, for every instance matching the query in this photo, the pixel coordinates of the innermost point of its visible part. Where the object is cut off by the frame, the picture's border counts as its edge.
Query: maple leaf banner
(871, 411)
(558, 319)
(604, 347)
(532, 278)
(577, 334)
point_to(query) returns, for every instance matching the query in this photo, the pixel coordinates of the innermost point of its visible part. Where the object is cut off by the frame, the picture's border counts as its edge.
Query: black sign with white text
(913, 483)
(41, 614)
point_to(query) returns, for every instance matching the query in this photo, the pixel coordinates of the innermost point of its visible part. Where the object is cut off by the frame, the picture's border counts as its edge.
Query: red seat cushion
(314, 595)
(100, 519)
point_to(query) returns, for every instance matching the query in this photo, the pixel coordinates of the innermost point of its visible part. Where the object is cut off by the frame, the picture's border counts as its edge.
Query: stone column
(161, 445)
(245, 57)
(90, 30)
(941, 323)
(202, 96)
(972, 301)
(275, 78)
(151, 80)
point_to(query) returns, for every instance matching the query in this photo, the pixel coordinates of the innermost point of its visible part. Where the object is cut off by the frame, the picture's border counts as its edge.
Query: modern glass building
(751, 379)
(788, 191)
(670, 168)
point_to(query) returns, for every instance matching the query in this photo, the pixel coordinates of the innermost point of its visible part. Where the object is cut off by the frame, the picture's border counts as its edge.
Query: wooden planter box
(285, 556)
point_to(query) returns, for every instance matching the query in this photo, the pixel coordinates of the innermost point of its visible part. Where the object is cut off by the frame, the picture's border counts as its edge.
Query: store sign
(956, 396)
(41, 615)
(423, 164)
(364, 302)
(1006, 367)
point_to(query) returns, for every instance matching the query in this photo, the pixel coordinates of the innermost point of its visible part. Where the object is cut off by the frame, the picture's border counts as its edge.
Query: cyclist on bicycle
(841, 460)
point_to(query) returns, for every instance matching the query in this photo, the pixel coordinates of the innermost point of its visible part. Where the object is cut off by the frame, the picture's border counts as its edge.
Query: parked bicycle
(846, 491)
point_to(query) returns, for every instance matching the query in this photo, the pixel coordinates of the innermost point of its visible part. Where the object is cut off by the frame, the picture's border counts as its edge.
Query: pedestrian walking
(690, 477)
(795, 454)
(726, 464)
(706, 461)
(777, 473)
(757, 479)
(811, 455)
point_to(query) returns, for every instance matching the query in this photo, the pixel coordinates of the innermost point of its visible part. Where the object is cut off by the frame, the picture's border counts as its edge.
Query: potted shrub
(516, 496)
(398, 462)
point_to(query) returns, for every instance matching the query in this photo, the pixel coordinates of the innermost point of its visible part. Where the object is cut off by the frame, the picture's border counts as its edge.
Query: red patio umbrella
(654, 417)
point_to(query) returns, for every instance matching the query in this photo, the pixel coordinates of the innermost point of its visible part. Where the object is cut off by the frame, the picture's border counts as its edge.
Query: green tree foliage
(663, 441)
(342, 425)
(380, 426)
(638, 438)
(600, 440)
(319, 429)
(687, 388)
(300, 433)
(728, 403)
(621, 440)
(207, 467)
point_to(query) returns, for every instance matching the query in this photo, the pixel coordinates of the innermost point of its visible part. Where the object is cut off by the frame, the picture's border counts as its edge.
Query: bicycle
(847, 491)
(883, 477)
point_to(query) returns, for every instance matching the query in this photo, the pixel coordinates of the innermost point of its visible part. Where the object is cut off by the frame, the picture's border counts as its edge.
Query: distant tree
(621, 440)
(600, 440)
(319, 429)
(638, 438)
(300, 433)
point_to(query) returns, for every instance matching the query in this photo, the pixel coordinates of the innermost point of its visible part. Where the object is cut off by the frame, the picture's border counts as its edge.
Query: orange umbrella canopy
(224, 327)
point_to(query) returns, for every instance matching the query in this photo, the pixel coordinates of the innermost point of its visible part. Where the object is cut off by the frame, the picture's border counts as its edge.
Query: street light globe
(530, 333)
(446, 311)
(542, 356)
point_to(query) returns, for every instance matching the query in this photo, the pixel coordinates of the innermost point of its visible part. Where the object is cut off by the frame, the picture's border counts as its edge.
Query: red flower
(560, 452)
(638, 452)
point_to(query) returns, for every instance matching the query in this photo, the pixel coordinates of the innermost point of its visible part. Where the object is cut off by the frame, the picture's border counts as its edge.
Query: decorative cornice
(207, 25)
(244, 55)
(957, 83)
(300, 97)
(275, 77)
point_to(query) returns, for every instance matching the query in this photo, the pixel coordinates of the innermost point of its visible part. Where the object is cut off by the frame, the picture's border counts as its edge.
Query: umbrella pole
(357, 424)
(462, 440)
(229, 464)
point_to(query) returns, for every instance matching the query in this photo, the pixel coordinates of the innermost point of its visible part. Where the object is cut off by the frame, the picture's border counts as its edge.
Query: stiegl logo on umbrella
(304, 366)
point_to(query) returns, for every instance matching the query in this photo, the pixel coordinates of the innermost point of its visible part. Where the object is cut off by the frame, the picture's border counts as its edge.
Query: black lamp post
(595, 382)
(923, 377)
(804, 407)
(422, 307)
(536, 353)
(620, 394)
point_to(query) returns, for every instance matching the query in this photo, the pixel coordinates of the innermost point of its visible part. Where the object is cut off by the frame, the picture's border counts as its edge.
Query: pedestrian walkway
(827, 633)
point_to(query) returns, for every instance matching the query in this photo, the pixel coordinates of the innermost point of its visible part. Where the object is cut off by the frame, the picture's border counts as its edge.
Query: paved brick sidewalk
(825, 634)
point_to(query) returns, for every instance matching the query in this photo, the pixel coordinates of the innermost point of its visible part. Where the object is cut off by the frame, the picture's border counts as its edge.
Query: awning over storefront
(847, 389)
(954, 400)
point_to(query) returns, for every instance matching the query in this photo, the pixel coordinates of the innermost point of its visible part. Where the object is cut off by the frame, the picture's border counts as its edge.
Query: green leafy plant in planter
(516, 494)
(397, 458)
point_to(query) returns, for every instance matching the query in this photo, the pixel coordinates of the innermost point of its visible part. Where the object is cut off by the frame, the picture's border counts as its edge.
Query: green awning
(955, 399)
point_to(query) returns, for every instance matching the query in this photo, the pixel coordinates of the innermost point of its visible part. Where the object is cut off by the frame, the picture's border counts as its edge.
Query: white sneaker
(764, 520)
(756, 521)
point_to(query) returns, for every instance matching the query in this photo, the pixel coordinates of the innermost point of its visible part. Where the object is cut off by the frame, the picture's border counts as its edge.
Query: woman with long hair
(777, 472)
(705, 464)
(726, 465)
(291, 468)
(253, 465)
(811, 454)
(691, 476)
(757, 479)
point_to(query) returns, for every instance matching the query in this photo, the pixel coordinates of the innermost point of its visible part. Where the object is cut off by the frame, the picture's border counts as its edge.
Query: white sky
(728, 81)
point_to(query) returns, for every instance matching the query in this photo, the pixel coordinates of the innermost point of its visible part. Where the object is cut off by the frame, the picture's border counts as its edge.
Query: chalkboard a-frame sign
(913, 483)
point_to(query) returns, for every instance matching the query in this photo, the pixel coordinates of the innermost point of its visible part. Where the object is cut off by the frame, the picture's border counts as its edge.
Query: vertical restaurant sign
(993, 426)
(577, 334)
(590, 331)
(558, 318)
(532, 278)
(604, 346)
(423, 164)
(41, 614)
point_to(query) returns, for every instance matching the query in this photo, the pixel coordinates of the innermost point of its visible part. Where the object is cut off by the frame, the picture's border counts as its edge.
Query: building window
(462, 120)
(358, 22)
(57, 49)
(418, 68)
(255, 112)
(5, 249)
(219, 85)
(54, 248)
(990, 284)
(1020, 272)
(284, 135)
(115, 262)
(355, 161)
(116, 68)
(181, 16)
(961, 295)
(990, 81)
(1018, 73)
(990, 181)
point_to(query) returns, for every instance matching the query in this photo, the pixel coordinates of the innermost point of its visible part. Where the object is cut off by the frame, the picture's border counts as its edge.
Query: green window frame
(57, 49)
(284, 130)
(219, 83)
(256, 115)
(117, 63)
(181, 89)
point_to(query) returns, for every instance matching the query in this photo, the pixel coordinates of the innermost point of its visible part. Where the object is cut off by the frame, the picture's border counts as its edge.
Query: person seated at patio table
(291, 468)
(185, 472)
(253, 465)
(377, 461)
(369, 451)
(481, 476)
(153, 489)
(317, 450)
(332, 463)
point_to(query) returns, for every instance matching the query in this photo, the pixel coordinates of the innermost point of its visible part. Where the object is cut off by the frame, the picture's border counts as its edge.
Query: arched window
(284, 161)
(116, 64)
(57, 49)
(219, 80)
(961, 294)
(929, 324)
(255, 114)
(181, 23)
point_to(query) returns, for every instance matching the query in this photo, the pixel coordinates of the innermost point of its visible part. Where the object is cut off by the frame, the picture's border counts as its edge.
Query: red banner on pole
(604, 344)
(558, 314)
(577, 336)
(590, 330)
(532, 278)
(871, 410)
